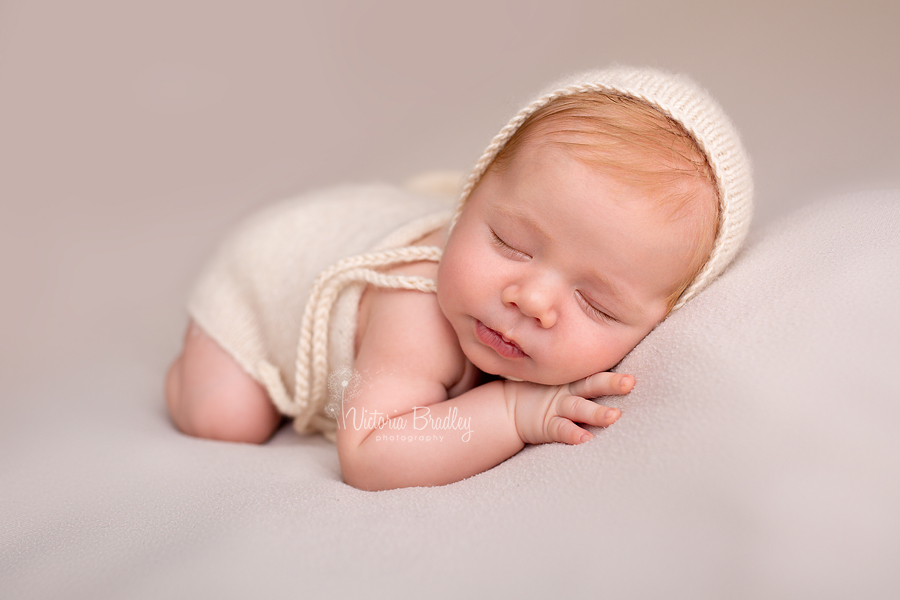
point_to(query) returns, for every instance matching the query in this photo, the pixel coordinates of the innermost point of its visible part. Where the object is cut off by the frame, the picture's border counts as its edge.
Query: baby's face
(556, 270)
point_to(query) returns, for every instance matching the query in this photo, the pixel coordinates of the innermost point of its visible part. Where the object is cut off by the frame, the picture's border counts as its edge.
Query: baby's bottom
(210, 396)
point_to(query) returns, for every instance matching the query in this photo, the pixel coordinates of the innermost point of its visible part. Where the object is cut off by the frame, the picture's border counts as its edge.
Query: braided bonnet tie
(312, 348)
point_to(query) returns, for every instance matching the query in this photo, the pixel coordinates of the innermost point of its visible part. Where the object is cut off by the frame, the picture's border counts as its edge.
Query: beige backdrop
(133, 134)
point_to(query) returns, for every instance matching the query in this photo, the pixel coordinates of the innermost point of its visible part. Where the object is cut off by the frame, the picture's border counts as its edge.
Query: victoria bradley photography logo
(419, 425)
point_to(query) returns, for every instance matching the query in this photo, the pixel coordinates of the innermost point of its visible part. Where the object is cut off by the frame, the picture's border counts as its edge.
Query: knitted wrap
(682, 100)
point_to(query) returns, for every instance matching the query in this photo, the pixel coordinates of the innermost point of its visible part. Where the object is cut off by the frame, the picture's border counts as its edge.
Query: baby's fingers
(563, 430)
(602, 384)
(579, 410)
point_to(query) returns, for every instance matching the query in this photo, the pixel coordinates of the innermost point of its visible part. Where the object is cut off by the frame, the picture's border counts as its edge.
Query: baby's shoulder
(405, 332)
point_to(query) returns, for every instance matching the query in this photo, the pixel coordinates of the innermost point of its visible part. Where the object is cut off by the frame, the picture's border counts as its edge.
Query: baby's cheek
(451, 276)
(447, 293)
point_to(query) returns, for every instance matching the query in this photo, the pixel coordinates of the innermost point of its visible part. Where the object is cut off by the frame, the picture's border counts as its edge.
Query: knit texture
(682, 100)
(281, 295)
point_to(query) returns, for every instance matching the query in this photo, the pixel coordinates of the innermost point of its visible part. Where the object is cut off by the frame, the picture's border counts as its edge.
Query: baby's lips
(499, 342)
(511, 342)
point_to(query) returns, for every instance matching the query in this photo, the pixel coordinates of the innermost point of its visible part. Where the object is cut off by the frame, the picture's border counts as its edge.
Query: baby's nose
(535, 301)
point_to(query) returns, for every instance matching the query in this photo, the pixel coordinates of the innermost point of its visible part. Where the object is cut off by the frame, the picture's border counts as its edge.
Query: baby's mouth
(501, 344)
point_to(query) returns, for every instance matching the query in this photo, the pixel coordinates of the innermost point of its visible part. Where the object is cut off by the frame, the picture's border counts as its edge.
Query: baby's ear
(443, 184)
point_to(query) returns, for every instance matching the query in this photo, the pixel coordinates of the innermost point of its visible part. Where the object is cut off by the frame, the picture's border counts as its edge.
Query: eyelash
(594, 310)
(497, 241)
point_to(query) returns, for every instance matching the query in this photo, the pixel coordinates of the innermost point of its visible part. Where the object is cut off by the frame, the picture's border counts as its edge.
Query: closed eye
(506, 248)
(594, 311)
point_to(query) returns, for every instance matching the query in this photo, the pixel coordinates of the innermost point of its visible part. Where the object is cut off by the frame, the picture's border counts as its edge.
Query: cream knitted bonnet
(681, 99)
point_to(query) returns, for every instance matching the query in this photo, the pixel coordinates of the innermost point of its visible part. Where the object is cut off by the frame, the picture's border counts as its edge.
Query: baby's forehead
(678, 186)
(666, 197)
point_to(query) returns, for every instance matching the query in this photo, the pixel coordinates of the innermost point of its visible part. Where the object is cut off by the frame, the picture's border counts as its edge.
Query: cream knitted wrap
(684, 101)
(281, 295)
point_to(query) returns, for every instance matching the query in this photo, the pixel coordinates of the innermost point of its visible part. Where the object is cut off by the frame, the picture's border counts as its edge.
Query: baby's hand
(548, 413)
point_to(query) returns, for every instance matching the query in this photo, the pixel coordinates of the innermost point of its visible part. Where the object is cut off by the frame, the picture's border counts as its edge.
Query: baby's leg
(210, 396)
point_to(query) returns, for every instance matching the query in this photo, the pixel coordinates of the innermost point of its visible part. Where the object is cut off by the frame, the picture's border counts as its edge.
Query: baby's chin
(539, 378)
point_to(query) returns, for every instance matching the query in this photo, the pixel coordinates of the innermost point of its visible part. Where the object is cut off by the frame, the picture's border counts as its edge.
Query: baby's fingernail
(612, 414)
(585, 437)
(627, 381)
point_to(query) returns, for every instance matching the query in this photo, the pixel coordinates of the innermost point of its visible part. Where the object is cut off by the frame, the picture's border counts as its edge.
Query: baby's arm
(400, 427)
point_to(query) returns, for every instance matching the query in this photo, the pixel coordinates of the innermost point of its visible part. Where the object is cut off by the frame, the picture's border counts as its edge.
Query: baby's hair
(637, 144)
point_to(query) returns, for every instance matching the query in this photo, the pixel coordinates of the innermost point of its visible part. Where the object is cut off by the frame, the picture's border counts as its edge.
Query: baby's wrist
(510, 391)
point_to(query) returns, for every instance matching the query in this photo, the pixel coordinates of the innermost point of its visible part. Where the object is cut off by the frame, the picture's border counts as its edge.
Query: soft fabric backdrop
(757, 458)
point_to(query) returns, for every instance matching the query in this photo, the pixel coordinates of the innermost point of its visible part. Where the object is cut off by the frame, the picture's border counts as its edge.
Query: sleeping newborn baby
(452, 339)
